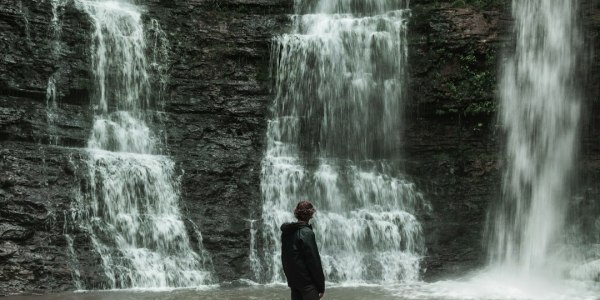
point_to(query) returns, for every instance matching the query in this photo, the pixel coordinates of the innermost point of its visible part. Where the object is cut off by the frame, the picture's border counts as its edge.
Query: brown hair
(304, 211)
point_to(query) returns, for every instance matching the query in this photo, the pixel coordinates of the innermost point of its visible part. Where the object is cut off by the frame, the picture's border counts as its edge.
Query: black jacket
(300, 257)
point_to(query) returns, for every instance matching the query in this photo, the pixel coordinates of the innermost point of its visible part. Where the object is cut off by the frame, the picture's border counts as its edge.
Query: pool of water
(474, 288)
(239, 293)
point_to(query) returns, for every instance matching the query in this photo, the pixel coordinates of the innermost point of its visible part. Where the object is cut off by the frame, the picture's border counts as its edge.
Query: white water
(540, 112)
(56, 25)
(130, 204)
(333, 139)
(255, 265)
(52, 97)
(52, 109)
(498, 285)
(24, 11)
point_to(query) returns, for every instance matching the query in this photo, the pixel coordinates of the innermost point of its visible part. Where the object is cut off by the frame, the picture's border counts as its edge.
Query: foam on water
(500, 285)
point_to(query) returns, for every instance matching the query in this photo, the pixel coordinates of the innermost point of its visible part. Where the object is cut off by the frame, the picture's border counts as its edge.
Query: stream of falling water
(540, 112)
(130, 204)
(333, 139)
(52, 97)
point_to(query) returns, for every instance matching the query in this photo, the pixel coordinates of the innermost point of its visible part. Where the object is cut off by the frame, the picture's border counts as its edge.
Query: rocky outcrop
(217, 105)
(218, 96)
(36, 181)
(586, 212)
(452, 142)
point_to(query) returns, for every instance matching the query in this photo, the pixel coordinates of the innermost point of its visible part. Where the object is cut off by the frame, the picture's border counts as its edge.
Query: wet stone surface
(216, 110)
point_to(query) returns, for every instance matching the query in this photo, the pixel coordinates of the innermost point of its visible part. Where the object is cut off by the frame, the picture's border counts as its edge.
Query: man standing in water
(300, 256)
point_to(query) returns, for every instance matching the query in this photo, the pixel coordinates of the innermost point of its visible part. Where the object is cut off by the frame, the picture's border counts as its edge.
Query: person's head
(304, 211)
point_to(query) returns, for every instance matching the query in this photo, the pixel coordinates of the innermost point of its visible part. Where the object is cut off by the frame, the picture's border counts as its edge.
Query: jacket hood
(289, 228)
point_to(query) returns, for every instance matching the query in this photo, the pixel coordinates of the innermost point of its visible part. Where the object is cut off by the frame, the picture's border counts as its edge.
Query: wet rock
(7, 250)
(14, 233)
(215, 113)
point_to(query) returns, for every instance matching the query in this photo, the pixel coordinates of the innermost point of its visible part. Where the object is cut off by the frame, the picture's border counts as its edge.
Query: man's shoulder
(306, 231)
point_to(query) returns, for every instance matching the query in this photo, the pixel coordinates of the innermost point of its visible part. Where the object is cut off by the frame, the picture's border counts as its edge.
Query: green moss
(446, 111)
(476, 108)
(469, 82)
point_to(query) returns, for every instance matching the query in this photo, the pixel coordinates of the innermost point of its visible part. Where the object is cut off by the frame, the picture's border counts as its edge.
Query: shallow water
(245, 293)
(475, 288)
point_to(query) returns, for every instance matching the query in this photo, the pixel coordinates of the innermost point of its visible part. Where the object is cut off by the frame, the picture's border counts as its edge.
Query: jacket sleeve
(312, 259)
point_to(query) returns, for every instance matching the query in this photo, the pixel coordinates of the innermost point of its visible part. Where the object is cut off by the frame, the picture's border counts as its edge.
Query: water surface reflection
(481, 287)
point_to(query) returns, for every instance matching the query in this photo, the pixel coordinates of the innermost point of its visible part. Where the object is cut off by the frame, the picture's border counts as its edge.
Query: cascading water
(56, 25)
(130, 204)
(540, 112)
(333, 139)
(51, 88)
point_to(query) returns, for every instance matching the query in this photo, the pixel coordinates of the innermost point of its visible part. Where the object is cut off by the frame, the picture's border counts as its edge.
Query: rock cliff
(217, 100)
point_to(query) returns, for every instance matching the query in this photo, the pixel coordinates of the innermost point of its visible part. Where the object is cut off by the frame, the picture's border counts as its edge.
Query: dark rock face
(217, 99)
(217, 103)
(586, 214)
(34, 188)
(452, 143)
(453, 135)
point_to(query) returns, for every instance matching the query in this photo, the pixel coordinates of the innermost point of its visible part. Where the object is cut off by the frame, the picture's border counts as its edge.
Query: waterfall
(333, 139)
(52, 98)
(540, 113)
(129, 205)
(56, 25)
(52, 109)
